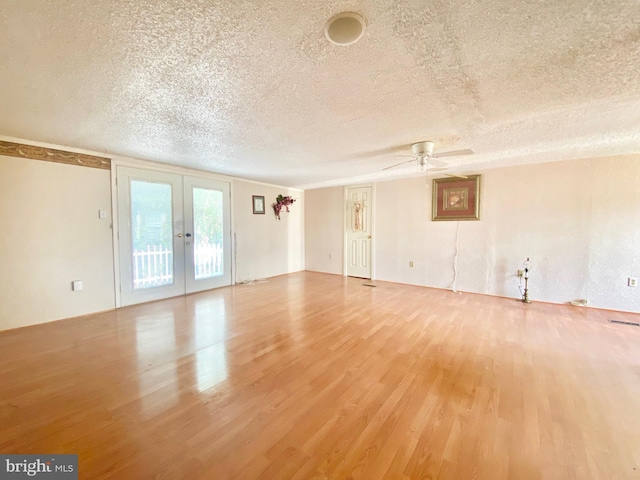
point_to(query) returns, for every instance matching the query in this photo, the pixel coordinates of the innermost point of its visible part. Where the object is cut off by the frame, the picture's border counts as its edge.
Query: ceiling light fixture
(422, 162)
(423, 152)
(345, 28)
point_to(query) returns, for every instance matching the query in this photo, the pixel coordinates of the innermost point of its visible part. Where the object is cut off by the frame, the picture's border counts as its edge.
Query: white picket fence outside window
(207, 260)
(153, 267)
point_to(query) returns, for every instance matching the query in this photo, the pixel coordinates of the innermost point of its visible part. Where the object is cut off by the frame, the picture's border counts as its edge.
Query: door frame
(345, 244)
(156, 167)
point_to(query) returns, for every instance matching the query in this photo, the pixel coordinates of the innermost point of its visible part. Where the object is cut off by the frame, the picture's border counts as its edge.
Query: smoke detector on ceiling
(345, 28)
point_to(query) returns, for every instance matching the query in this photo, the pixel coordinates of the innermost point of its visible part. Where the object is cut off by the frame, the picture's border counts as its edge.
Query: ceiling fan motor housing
(422, 148)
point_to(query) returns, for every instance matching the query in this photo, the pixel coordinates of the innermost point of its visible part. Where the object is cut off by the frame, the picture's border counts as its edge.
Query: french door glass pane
(207, 234)
(151, 234)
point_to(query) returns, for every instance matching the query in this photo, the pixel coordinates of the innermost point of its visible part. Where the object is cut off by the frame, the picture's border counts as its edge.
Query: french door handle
(188, 235)
(179, 235)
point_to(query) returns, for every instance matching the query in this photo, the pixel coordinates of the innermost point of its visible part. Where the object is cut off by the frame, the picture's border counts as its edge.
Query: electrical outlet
(520, 273)
(76, 285)
(411, 264)
(632, 282)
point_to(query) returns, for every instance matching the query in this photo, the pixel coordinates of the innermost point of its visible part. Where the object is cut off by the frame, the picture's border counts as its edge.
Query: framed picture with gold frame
(456, 198)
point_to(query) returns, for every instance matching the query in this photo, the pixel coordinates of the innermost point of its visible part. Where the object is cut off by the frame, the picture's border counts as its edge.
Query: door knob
(188, 235)
(368, 236)
(179, 235)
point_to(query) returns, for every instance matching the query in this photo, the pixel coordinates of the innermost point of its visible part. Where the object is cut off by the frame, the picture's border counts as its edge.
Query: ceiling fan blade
(382, 152)
(455, 153)
(437, 169)
(398, 164)
(437, 163)
(455, 176)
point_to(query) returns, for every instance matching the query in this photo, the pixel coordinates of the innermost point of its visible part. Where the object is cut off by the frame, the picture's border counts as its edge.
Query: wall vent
(621, 322)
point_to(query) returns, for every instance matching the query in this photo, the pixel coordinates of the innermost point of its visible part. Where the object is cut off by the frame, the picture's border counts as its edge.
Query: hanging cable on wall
(455, 260)
(524, 274)
(235, 257)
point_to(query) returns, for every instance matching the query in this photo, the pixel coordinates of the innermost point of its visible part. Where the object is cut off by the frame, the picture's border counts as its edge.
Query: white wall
(265, 246)
(323, 235)
(51, 235)
(577, 220)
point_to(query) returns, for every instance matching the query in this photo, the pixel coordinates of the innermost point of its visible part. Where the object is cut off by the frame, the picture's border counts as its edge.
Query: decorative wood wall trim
(51, 155)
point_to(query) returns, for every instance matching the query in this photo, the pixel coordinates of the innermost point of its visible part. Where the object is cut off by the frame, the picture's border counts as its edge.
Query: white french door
(174, 234)
(208, 234)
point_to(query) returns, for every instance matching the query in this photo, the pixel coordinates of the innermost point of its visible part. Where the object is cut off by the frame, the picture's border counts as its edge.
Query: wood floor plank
(317, 376)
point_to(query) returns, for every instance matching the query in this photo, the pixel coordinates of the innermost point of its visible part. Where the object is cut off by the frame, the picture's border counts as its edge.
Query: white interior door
(174, 234)
(358, 231)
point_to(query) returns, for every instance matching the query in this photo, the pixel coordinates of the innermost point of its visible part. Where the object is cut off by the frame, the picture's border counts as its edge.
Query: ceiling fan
(425, 158)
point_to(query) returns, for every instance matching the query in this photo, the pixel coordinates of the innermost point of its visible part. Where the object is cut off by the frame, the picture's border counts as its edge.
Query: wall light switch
(102, 214)
(76, 285)
(331, 256)
(632, 282)
(411, 264)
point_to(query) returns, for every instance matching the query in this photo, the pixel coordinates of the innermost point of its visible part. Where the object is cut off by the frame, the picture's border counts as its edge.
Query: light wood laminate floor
(317, 376)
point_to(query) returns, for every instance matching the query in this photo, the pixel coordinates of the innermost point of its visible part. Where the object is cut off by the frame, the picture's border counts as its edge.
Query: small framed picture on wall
(258, 204)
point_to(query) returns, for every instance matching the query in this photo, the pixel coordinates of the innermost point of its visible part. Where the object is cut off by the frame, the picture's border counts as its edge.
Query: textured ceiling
(253, 89)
